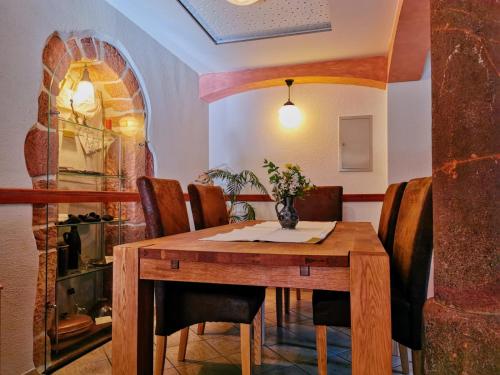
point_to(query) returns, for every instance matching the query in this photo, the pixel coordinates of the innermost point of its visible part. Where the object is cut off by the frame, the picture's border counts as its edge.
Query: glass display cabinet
(95, 143)
(89, 158)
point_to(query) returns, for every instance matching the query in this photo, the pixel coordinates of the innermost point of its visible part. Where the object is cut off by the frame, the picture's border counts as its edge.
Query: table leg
(279, 307)
(370, 314)
(257, 337)
(287, 300)
(132, 315)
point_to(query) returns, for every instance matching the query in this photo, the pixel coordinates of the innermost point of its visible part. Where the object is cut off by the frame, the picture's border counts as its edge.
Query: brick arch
(111, 71)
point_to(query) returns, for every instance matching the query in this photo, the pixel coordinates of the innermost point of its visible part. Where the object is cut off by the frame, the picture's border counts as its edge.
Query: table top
(333, 251)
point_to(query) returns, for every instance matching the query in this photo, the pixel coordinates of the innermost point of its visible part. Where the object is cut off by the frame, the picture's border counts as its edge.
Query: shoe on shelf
(91, 217)
(72, 219)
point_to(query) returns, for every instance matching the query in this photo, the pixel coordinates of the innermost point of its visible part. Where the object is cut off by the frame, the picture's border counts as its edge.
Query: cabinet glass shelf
(77, 273)
(89, 174)
(116, 221)
(82, 126)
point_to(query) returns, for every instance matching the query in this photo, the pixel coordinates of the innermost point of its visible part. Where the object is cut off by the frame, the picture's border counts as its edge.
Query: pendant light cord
(289, 83)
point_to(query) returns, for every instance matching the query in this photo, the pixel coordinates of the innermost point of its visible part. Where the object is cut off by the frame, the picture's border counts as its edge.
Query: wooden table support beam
(370, 314)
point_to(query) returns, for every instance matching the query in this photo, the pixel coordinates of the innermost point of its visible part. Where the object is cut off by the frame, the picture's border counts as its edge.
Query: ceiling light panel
(225, 22)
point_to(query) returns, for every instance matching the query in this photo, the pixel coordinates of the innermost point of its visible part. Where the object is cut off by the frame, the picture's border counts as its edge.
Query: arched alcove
(121, 108)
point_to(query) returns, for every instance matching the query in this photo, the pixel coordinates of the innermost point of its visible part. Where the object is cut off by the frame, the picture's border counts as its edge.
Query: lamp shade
(242, 2)
(290, 116)
(84, 93)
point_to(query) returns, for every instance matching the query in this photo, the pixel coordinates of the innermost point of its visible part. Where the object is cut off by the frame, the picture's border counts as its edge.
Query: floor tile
(196, 351)
(276, 335)
(228, 331)
(296, 353)
(225, 346)
(83, 366)
(293, 370)
(108, 350)
(215, 366)
(334, 368)
(270, 361)
(170, 371)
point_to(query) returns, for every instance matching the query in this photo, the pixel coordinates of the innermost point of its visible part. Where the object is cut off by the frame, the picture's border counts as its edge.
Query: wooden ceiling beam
(410, 42)
(368, 71)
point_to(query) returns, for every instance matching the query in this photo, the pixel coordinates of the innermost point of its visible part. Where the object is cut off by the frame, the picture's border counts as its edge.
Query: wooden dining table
(351, 258)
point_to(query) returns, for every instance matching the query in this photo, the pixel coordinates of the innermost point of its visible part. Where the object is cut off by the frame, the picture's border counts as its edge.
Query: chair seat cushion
(181, 304)
(331, 308)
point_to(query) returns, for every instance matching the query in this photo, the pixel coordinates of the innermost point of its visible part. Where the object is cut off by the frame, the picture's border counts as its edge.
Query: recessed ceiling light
(242, 2)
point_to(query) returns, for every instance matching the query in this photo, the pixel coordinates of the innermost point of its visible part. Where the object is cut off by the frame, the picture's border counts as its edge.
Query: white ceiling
(226, 22)
(359, 28)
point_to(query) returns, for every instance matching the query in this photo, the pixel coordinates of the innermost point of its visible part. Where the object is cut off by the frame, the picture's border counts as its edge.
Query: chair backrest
(389, 215)
(321, 204)
(208, 206)
(164, 206)
(412, 251)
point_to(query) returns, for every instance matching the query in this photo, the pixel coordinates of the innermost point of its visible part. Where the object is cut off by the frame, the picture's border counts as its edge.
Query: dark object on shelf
(72, 238)
(71, 325)
(98, 262)
(68, 350)
(91, 217)
(101, 308)
(72, 219)
(62, 260)
(287, 216)
(107, 217)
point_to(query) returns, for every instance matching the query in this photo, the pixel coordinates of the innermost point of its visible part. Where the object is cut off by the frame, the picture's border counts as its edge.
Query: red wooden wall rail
(41, 196)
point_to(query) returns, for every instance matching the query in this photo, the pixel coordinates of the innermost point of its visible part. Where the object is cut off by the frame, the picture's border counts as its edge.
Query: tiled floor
(289, 350)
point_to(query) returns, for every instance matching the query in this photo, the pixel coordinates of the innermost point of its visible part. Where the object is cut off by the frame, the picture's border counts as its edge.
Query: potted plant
(288, 184)
(233, 184)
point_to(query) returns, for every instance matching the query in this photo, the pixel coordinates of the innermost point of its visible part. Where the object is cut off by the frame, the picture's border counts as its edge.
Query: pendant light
(84, 93)
(289, 115)
(242, 2)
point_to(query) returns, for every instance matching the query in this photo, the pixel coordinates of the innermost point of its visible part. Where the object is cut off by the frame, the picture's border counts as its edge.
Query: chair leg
(181, 355)
(403, 355)
(418, 363)
(246, 349)
(257, 338)
(201, 329)
(279, 307)
(321, 349)
(161, 347)
(298, 295)
(287, 300)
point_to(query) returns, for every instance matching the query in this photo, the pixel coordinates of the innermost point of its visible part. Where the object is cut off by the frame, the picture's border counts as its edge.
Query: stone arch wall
(123, 95)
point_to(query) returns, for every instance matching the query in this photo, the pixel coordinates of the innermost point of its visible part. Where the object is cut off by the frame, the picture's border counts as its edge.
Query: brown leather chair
(410, 269)
(321, 204)
(208, 206)
(181, 304)
(209, 209)
(324, 203)
(389, 215)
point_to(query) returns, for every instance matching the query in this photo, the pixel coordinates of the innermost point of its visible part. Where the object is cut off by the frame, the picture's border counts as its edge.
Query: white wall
(178, 120)
(244, 129)
(409, 116)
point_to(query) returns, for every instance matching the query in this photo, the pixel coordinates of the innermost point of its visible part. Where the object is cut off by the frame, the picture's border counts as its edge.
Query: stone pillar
(462, 322)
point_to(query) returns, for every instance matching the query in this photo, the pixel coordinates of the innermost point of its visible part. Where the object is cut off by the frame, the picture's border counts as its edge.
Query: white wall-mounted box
(355, 144)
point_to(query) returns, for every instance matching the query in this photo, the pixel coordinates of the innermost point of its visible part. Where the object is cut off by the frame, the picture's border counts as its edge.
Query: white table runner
(271, 231)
